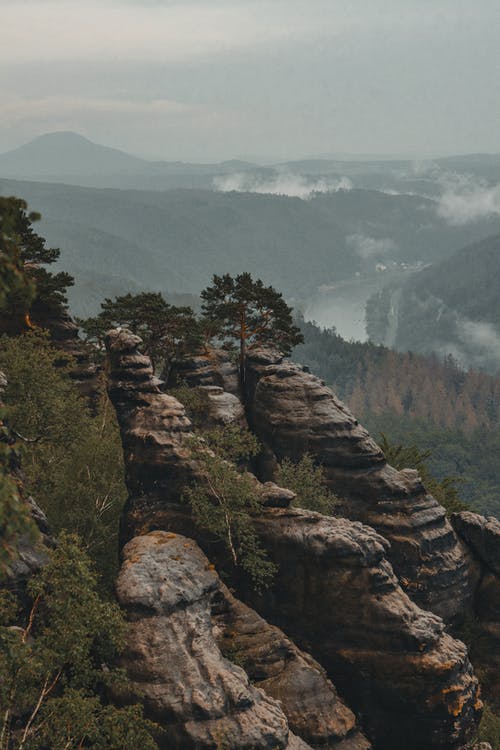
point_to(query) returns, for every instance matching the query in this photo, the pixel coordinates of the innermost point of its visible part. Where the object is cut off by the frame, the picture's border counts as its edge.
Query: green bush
(57, 666)
(307, 480)
(72, 459)
(223, 502)
(489, 729)
(410, 457)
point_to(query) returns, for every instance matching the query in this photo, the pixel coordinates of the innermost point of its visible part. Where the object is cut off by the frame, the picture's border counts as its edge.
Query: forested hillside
(452, 306)
(116, 241)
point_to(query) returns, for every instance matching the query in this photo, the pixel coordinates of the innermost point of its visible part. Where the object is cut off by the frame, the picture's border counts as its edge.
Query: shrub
(307, 480)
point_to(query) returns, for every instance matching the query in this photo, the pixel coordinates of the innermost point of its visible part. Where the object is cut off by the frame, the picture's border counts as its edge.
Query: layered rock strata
(335, 593)
(337, 596)
(211, 369)
(293, 412)
(272, 662)
(200, 698)
(152, 425)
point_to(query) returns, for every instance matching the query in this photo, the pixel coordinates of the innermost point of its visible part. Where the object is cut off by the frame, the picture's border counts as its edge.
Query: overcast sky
(212, 79)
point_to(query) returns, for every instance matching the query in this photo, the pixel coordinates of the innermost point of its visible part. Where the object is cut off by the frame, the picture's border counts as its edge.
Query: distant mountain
(66, 153)
(451, 307)
(70, 158)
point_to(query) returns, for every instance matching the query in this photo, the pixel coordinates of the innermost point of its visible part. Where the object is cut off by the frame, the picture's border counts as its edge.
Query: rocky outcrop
(292, 412)
(338, 597)
(152, 425)
(273, 663)
(482, 537)
(214, 368)
(335, 593)
(179, 613)
(222, 408)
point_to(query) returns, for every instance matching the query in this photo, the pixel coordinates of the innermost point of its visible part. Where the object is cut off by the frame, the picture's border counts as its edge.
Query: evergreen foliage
(14, 282)
(58, 666)
(489, 729)
(44, 287)
(167, 331)
(223, 502)
(410, 457)
(72, 459)
(231, 442)
(249, 314)
(193, 399)
(15, 519)
(307, 480)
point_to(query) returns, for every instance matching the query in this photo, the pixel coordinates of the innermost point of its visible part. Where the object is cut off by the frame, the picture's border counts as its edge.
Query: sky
(256, 79)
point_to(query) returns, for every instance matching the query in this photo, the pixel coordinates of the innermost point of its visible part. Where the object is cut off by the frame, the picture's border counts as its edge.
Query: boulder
(199, 698)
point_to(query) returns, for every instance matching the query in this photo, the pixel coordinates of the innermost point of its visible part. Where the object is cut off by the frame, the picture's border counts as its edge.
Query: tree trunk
(243, 356)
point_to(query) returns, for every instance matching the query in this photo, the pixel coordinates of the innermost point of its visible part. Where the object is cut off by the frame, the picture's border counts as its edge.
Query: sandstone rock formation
(273, 663)
(336, 593)
(482, 536)
(200, 698)
(292, 412)
(152, 425)
(212, 368)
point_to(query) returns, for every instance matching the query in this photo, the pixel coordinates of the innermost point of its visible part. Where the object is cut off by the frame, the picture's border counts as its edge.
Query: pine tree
(166, 330)
(249, 314)
(38, 291)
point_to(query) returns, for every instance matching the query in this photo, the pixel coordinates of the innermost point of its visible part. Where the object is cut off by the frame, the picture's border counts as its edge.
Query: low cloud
(482, 335)
(370, 247)
(466, 199)
(297, 186)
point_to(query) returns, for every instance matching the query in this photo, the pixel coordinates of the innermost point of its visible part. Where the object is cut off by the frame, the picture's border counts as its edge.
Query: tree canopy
(249, 314)
(57, 663)
(31, 287)
(167, 330)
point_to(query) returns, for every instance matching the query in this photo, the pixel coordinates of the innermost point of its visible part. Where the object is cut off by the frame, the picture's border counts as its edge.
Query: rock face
(211, 369)
(482, 536)
(338, 597)
(292, 412)
(177, 606)
(223, 408)
(335, 593)
(273, 663)
(152, 425)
